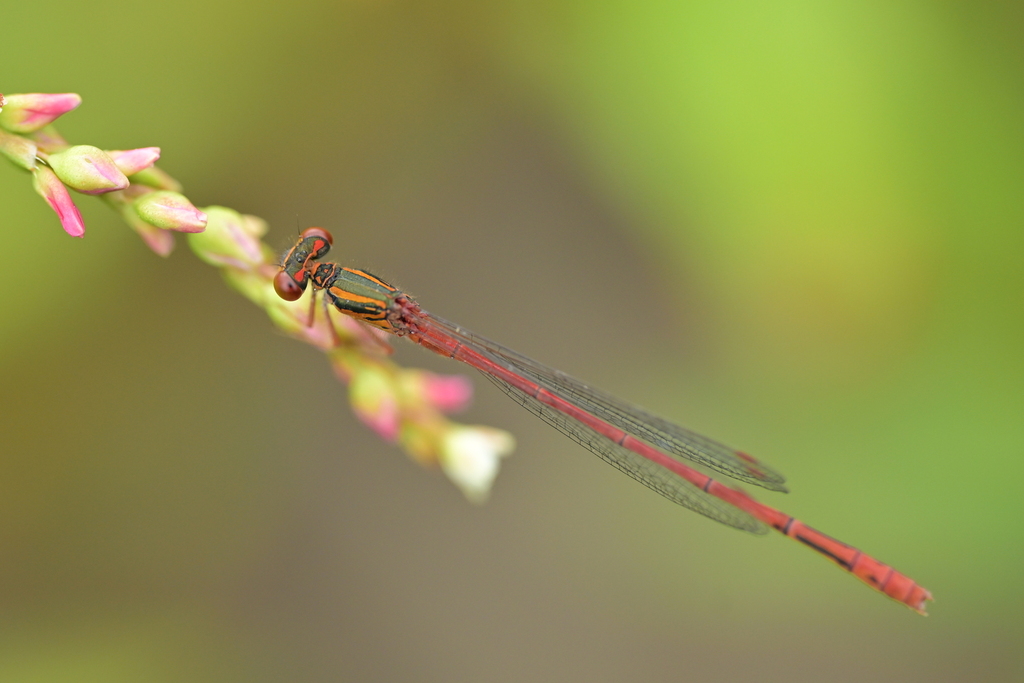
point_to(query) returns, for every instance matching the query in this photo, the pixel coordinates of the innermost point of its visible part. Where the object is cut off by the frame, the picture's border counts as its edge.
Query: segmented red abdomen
(874, 573)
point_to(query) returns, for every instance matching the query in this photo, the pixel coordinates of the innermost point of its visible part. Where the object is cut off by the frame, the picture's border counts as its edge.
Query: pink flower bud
(160, 241)
(170, 211)
(49, 186)
(447, 393)
(131, 161)
(87, 169)
(18, 149)
(26, 113)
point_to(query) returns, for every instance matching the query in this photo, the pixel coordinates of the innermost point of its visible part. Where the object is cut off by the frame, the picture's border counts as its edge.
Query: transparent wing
(643, 470)
(635, 421)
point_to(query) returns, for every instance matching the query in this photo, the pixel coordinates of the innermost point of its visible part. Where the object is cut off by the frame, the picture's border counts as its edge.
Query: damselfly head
(291, 281)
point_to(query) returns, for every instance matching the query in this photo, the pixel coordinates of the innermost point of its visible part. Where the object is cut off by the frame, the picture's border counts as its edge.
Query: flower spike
(404, 406)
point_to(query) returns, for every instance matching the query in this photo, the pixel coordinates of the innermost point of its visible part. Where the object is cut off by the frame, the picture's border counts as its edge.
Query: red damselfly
(644, 446)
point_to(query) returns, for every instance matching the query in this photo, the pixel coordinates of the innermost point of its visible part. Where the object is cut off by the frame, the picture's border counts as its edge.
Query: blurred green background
(795, 226)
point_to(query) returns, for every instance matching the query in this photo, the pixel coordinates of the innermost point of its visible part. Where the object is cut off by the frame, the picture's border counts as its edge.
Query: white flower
(470, 457)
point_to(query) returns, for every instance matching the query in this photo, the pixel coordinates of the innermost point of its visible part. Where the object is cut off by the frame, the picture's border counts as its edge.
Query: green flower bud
(21, 151)
(170, 211)
(254, 225)
(87, 169)
(373, 397)
(228, 242)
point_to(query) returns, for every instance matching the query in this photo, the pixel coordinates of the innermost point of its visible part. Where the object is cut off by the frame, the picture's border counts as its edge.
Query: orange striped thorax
(360, 295)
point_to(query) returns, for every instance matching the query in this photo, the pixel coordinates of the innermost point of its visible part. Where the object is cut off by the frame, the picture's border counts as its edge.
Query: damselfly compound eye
(286, 286)
(318, 232)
